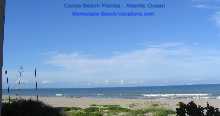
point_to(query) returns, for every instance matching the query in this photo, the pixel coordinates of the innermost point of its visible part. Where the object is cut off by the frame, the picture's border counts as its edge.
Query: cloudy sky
(179, 45)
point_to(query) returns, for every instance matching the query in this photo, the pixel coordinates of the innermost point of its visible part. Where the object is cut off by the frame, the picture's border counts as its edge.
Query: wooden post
(2, 21)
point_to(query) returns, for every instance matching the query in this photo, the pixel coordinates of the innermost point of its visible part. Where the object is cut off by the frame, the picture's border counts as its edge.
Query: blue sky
(179, 45)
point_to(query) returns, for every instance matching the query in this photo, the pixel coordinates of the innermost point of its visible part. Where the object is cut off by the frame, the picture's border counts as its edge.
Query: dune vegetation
(29, 108)
(117, 110)
(37, 108)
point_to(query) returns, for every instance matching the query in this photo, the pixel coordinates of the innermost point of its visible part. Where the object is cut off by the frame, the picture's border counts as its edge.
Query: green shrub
(191, 109)
(29, 108)
(118, 109)
(91, 109)
(158, 111)
(161, 113)
(71, 108)
(93, 105)
(83, 113)
(155, 105)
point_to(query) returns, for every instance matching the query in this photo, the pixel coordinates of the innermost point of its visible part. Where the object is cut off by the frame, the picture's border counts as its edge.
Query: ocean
(211, 91)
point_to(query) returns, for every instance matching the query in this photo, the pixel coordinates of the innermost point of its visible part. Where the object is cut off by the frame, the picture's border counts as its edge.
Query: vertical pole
(19, 80)
(8, 89)
(35, 75)
(2, 21)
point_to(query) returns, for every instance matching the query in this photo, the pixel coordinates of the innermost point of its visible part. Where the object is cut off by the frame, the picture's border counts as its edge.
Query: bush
(85, 114)
(91, 109)
(71, 108)
(116, 108)
(29, 108)
(191, 109)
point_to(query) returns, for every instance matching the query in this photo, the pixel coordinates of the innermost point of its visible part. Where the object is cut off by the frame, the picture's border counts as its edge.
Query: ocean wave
(99, 94)
(59, 94)
(200, 95)
(218, 97)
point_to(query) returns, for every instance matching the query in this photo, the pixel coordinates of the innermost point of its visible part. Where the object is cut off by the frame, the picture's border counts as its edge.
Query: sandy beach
(85, 102)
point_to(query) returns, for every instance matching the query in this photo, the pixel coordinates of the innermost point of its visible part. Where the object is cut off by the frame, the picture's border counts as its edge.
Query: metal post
(20, 71)
(36, 87)
(8, 86)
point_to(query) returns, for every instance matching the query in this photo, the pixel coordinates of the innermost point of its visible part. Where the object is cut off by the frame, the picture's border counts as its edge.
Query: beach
(85, 102)
(128, 97)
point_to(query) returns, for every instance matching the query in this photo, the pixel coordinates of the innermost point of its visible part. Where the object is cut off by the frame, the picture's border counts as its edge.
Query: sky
(178, 45)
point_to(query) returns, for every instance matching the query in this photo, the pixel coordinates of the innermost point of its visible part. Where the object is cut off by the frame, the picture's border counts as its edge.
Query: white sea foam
(59, 95)
(100, 94)
(201, 95)
(205, 97)
(218, 97)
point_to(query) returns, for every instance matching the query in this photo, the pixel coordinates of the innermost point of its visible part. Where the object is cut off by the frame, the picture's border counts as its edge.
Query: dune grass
(117, 110)
(37, 108)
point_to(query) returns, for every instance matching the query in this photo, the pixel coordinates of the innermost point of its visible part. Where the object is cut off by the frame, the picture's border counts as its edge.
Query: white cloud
(157, 64)
(28, 80)
(46, 82)
(201, 6)
(216, 18)
(212, 5)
